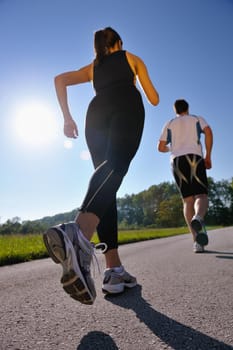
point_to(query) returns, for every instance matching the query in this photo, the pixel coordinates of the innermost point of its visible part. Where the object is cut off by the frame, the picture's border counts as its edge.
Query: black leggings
(114, 127)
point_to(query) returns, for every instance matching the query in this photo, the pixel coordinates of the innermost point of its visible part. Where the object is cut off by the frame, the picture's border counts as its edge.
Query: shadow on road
(220, 255)
(175, 334)
(224, 257)
(98, 341)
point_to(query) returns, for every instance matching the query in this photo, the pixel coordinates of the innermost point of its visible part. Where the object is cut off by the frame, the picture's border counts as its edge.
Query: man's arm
(208, 146)
(163, 147)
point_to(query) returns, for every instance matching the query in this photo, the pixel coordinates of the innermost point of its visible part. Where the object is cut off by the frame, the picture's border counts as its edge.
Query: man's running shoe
(115, 282)
(197, 248)
(199, 227)
(67, 246)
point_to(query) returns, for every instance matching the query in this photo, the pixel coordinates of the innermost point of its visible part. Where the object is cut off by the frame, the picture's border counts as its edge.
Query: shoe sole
(73, 281)
(196, 225)
(120, 288)
(202, 238)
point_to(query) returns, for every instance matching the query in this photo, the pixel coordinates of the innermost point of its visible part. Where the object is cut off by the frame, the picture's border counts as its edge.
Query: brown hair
(103, 40)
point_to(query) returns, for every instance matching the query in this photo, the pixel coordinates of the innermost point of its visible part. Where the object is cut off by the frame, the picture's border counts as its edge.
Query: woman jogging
(114, 126)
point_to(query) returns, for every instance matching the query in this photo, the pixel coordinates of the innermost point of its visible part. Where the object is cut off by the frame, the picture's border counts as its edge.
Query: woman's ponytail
(103, 40)
(100, 46)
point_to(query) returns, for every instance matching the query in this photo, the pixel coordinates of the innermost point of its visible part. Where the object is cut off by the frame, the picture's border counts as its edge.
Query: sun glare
(68, 144)
(35, 124)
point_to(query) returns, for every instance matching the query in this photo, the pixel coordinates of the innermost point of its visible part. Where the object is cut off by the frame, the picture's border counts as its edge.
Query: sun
(35, 124)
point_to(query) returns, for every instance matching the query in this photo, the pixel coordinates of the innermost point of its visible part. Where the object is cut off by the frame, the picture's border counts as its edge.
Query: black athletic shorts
(190, 175)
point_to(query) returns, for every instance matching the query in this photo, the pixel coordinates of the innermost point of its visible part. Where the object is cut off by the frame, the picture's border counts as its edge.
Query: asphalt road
(183, 301)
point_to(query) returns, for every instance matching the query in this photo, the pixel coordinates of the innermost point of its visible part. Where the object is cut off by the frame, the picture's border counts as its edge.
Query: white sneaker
(115, 282)
(67, 246)
(198, 248)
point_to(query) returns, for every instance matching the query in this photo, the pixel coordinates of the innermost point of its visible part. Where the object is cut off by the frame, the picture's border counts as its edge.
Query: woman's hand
(70, 128)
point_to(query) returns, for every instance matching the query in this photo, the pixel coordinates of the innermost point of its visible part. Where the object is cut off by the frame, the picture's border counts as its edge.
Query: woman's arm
(140, 70)
(64, 80)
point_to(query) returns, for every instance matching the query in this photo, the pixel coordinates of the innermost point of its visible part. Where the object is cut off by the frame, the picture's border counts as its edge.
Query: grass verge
(21, 248)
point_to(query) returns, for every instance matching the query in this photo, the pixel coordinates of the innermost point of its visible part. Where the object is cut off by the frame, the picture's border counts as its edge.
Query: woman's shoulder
(132, 55)
(135, 60)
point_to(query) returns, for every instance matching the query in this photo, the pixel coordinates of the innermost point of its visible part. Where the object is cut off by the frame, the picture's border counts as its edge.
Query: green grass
(142, 235)
(20, 248)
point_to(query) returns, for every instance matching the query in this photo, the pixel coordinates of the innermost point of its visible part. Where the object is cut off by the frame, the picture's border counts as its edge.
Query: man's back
(183, 133)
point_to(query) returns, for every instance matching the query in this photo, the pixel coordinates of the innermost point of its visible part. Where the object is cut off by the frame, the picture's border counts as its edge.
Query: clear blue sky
(187, 47)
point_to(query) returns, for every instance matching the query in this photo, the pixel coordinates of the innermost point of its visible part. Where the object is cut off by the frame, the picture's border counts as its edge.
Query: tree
(159, 205)
(220, 202)
(170, 212)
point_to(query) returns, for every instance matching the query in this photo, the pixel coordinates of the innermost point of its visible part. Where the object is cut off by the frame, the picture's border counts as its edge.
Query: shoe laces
(99, 248)
(90, 252)
(89, 249)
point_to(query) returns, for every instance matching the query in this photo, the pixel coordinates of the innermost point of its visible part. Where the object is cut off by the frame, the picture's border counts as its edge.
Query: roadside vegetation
(21, 248)
(154, 213)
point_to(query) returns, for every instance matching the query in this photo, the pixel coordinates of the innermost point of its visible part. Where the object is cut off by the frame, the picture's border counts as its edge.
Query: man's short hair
(181, 106)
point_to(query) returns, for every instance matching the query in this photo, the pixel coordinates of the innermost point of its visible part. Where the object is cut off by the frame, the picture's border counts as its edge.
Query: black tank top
(113, 71)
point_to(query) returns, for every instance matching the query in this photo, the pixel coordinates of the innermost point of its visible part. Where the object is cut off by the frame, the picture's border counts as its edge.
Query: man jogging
(181, 136)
